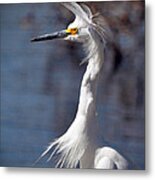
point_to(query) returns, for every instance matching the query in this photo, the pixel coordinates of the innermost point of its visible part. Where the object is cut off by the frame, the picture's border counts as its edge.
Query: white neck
(87, 106)
(87, 100)
(80, 140)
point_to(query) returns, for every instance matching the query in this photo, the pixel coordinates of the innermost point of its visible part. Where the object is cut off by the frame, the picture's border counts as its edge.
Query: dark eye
(74, 31)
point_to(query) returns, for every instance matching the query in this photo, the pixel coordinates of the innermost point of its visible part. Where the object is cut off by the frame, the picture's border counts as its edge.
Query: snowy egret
(81, 142)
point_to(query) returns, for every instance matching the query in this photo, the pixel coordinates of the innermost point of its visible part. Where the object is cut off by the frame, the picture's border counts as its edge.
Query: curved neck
(87, 100)
(79, 142)
(86, 114)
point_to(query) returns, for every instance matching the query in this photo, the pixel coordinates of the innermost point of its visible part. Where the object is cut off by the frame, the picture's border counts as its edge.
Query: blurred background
(40, 81)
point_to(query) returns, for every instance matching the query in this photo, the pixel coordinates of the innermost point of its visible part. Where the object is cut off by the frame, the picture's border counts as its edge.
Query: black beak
(56, 35)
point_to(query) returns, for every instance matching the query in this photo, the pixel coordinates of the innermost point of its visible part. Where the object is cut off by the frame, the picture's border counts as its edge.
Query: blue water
(40, 87)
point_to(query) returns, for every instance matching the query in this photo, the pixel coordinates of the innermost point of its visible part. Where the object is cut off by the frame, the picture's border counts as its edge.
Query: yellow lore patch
(72, 31)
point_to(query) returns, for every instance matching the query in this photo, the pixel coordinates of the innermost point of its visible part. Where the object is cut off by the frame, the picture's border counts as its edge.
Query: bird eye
(74, 31)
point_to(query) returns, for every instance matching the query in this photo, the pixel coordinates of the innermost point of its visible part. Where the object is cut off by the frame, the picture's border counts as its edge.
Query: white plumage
(81, 143)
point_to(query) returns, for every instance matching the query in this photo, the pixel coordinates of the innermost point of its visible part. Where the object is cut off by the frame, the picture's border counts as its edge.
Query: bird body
(81, 142)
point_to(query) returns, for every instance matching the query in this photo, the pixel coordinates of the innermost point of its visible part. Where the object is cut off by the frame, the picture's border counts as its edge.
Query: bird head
(77, 30)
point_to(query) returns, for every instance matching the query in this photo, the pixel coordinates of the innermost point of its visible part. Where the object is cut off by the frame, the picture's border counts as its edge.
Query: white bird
(80, 145)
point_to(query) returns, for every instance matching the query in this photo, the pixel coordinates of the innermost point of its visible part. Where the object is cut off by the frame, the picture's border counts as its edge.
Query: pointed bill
(51, 36)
